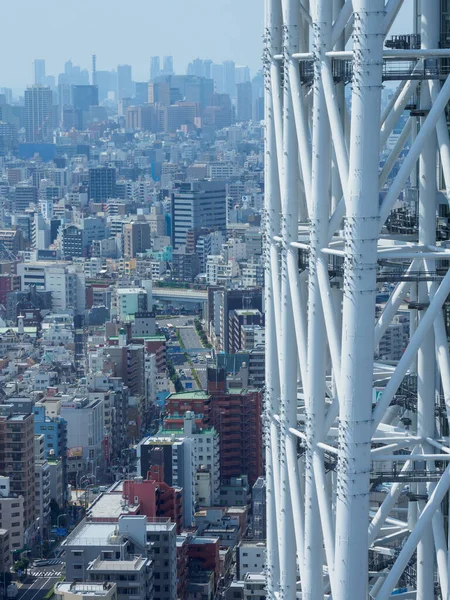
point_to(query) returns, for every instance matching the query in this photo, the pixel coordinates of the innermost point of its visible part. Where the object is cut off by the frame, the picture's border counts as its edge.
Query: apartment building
(17, 459)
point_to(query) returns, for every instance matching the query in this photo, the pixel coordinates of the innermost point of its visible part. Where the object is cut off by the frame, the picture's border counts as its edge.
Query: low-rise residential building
(131, 544)
(133, 576)
(250, 558)
(85, 591)
(12, 516)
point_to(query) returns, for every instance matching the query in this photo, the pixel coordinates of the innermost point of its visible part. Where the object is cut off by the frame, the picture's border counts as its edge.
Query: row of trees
(201, 333)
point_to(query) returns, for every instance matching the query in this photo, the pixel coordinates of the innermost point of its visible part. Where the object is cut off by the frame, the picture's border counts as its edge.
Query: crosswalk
(46, 573)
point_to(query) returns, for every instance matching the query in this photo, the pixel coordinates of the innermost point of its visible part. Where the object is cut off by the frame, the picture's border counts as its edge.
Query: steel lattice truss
(328, 246)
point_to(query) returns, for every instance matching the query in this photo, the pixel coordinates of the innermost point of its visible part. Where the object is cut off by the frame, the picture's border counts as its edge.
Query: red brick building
(236, 415)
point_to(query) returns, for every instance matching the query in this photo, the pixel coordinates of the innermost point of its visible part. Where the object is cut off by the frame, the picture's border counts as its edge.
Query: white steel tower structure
(357, 447)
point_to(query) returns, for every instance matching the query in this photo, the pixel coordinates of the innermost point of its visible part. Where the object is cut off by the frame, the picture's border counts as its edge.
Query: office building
(155, 67)
(39, 71)
(168, 65)
(65, 282)
(141, 92)
(105, 83)
(136, 238)
(102, 183)
(77, 240)
(229, 70)
(242, 74)
(8, 138)
(124, 82)
(39, 114)
(84, 96)
(25, 195)
(218, 74)
(12, 240)
(244, 101)
(195, 206)
(159, 93)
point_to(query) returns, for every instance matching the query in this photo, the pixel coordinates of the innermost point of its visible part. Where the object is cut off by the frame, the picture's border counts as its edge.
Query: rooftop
(109, 505)
(194, 395)
(135, 564)
(86, 589)
(131, 290)
(91, 534)
(181, 432)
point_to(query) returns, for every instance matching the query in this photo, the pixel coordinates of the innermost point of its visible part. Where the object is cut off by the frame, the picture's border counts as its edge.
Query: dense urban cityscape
(132, 333)
(225, 317)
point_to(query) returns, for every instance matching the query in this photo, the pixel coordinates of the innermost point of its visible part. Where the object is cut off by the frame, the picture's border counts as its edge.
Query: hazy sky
(131, 32)
(126, 32)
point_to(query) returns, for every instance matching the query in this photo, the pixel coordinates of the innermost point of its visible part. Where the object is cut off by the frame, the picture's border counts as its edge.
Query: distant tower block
(94, 69)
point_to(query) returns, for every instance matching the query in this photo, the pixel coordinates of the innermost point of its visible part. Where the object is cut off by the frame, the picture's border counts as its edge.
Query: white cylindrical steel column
(288, 374)
(272, 226)
(326, 439)
(361, 233)
(426, 358)
(312, 587)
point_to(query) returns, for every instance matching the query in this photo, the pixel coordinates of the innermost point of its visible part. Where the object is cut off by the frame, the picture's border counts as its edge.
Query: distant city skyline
(238, 39)
(220, 30)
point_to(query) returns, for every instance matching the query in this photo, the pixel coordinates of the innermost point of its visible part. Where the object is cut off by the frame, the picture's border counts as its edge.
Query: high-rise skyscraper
(207, 63)
(124, 82)
(84, 96)
(155, 67)
(196, 67)
(218, 74)
(102, 183)
(39, 71)
(244, 101)
(242, 74)
(168, 65)
(39, 114)
(230, 78)
(105, 83)
(198, 205)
